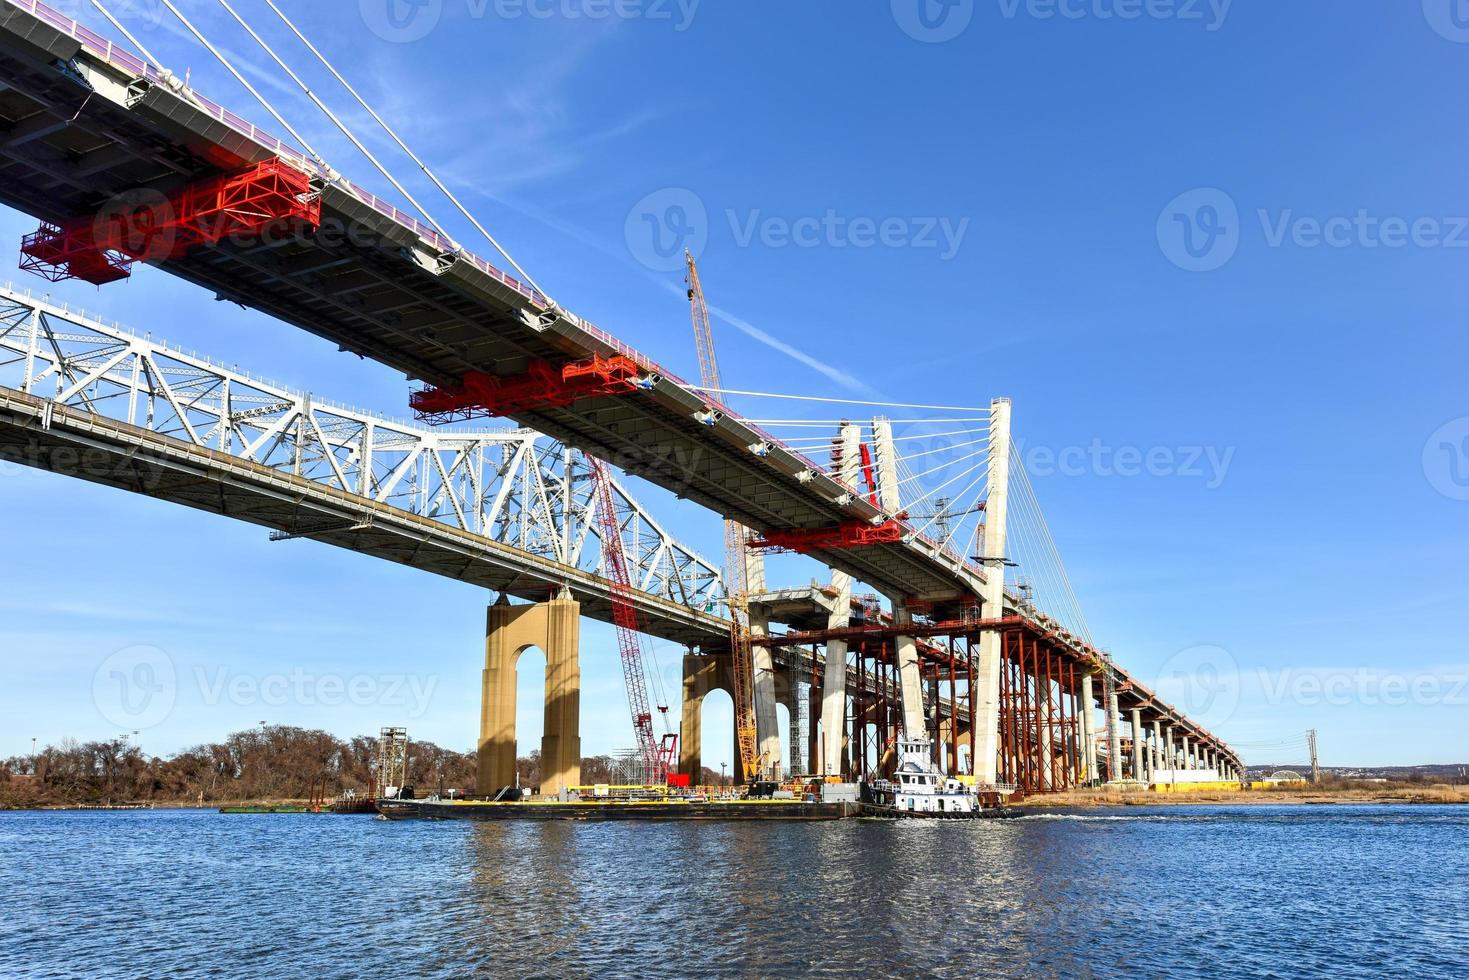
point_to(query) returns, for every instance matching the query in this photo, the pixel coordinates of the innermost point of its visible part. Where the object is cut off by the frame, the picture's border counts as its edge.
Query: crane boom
(737, 574)
(657, 757)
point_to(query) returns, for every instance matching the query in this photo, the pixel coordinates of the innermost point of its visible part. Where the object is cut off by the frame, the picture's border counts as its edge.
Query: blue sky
(1231, 230)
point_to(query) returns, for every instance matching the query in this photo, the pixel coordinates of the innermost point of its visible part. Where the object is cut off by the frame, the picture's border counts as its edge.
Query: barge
(599, 810)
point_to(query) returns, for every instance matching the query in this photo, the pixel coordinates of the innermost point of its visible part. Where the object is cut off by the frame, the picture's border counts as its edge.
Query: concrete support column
(1047, 746)
(767, 728)
(555, 627)
(987, 690)
(910, 676)
(1158, 761)
(1088, 729)
(1187, 756)
(839, 616)
(834, 682)
(1170, 746)
(1137, 746)
(1114, 743)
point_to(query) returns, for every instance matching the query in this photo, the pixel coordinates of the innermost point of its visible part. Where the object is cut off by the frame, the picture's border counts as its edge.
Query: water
(1227, 892)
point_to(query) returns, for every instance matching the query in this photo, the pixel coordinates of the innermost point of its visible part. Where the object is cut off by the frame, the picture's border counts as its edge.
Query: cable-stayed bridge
(95, 135)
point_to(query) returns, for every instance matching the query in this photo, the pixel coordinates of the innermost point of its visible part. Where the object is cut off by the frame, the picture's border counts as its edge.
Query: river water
(1222, 891)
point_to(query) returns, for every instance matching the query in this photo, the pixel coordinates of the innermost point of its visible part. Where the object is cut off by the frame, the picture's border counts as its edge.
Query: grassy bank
(1293, 795)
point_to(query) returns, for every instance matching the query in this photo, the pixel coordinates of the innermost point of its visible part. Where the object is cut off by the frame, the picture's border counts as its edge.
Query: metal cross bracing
(513, 486)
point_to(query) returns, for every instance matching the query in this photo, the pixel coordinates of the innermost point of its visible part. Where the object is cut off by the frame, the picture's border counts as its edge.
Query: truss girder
(514, 486)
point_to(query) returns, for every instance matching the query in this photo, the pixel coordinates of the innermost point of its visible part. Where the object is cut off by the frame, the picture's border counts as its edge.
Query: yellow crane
(737, 574)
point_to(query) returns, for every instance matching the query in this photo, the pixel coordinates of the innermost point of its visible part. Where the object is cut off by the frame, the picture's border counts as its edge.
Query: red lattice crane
(658, 755)
(737, 576)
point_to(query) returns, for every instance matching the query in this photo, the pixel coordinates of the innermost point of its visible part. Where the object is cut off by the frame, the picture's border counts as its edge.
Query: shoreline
(1094, 800)
(1101, 799)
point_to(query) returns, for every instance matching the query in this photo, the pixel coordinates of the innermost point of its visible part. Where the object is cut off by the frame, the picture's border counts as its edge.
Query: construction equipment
(102, 248)
(737, 574)
(658, 757)
(392, 763)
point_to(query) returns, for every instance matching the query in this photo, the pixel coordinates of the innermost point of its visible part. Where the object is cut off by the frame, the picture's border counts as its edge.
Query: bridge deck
(379, 284)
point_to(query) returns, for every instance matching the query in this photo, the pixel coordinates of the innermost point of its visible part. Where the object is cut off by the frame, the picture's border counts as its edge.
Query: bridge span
(90, 133)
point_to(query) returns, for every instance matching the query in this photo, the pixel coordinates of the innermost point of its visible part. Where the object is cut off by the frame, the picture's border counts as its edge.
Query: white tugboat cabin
(918, 788)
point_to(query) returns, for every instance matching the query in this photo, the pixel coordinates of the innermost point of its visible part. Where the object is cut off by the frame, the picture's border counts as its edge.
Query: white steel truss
(514, 486)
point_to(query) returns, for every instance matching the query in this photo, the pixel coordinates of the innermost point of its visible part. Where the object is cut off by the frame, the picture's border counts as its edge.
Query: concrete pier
(1088, 730)
(1114, 746)
(1138, 772)
(554, 627)
(701, 674)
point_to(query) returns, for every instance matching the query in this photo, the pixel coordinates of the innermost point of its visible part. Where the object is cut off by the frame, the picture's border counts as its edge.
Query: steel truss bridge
(86, 126)
(510, 509)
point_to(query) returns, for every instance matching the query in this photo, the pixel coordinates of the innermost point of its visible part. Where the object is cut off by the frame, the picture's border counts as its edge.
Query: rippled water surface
(1226, 892)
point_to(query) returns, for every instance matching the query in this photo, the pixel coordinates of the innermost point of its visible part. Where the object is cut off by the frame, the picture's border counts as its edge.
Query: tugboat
(919, 789)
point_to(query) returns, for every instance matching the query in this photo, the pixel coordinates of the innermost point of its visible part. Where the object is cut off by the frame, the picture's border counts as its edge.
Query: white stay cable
(411, 155)
(981, 478)
(979, 413)
(944, 449)
(983, 465)
(1050, 544)
(127, 34)
(944, 465)
(300, 140)
(333, 117)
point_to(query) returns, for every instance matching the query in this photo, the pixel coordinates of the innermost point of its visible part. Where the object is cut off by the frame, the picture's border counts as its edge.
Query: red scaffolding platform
(543, 385)
(102, 248)
(854, 534)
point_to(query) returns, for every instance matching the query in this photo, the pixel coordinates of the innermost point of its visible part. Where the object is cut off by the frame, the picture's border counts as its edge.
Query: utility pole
(1315, 767)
